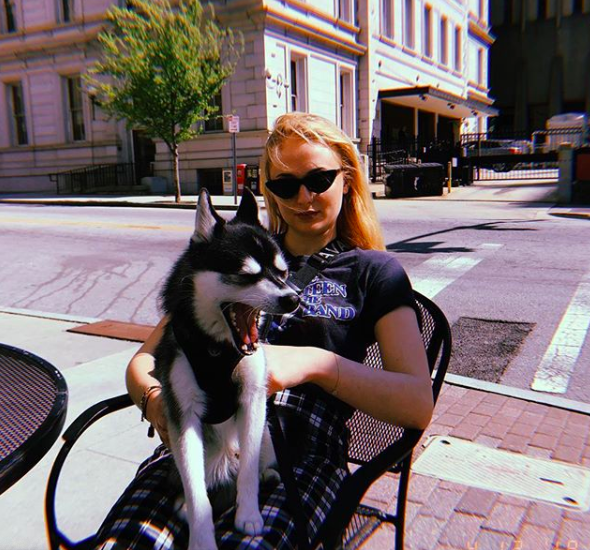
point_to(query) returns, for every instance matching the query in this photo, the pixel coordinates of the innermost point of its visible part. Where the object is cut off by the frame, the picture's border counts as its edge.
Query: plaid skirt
(146, 517)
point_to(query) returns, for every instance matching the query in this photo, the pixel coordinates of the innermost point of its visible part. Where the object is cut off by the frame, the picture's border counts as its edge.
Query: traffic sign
(233, 124)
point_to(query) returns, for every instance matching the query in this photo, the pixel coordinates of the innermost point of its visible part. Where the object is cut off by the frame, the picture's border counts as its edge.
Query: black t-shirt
(344, 301)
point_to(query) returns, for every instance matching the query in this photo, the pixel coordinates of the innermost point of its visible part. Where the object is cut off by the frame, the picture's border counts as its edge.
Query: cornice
(15, 46)
(308, 8)
(309, 29)
(480, 97)
(481, 32)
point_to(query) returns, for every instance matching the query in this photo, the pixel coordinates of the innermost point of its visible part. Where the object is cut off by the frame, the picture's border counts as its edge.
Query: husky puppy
(210, 365)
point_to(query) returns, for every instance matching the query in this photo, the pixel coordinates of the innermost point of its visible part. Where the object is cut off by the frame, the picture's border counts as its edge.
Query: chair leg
(402, 495)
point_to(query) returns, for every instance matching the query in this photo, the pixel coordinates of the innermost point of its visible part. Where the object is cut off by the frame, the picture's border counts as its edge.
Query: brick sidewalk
(448, 516)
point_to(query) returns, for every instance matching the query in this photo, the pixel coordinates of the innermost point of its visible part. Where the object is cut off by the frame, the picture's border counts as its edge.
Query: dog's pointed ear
(248, 209)
(206, 219)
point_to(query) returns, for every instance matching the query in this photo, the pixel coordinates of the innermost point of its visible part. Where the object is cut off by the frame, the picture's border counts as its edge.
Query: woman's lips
(308, 214)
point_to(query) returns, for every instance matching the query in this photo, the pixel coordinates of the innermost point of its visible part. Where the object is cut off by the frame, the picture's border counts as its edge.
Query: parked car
(497, 147)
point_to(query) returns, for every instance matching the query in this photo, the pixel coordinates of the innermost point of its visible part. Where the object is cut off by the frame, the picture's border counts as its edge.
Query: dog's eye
(251, 267)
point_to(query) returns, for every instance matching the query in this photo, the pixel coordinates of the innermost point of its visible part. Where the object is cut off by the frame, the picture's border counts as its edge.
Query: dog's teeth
(245, 348)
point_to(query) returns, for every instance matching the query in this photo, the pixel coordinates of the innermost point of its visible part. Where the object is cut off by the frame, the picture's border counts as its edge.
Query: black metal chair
(376, 447)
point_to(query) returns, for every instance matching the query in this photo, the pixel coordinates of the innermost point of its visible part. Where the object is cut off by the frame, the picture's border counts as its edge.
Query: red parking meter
(241, 177)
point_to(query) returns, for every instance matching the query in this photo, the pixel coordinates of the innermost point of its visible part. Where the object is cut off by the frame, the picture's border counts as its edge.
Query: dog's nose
(289, 302)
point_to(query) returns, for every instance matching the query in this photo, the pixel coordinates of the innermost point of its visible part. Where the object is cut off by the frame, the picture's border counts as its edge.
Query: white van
(565, 128)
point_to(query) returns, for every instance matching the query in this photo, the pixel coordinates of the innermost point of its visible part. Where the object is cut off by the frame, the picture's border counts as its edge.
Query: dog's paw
(249, 522)
(270, 476)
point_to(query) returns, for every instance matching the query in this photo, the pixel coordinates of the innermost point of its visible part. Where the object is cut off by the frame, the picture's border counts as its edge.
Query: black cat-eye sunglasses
(315, 182)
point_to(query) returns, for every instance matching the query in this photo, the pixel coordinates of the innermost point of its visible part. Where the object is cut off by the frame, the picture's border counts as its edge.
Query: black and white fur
(226, 264)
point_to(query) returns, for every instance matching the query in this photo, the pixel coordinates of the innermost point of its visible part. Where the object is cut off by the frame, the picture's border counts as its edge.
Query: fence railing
(94, 179)
(539, 141)
(476, 145)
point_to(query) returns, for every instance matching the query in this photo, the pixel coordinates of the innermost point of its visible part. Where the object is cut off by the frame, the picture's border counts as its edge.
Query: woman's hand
(289, 366)
(156, 417)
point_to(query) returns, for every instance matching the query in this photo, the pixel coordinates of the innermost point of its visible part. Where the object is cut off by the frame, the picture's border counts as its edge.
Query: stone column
(566, 173)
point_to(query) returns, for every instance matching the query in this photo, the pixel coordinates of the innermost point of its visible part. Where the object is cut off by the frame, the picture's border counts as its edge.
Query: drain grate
(475, 465)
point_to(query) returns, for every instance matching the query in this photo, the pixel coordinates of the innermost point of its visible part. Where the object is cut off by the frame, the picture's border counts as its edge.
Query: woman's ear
(346, 186)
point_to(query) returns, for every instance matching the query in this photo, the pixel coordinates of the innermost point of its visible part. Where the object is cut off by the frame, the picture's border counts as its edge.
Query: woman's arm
(140, 376)
(400, 394)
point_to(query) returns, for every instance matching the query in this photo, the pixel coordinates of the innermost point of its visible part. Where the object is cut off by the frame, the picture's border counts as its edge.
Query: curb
(518, 393)
(123, 204)
(575, 215)
(50, 316)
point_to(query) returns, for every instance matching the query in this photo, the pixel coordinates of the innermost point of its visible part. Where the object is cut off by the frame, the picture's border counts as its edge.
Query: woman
(316, 197)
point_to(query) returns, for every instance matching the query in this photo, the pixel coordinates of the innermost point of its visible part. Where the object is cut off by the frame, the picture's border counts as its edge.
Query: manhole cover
(483, 348)
(475, 465)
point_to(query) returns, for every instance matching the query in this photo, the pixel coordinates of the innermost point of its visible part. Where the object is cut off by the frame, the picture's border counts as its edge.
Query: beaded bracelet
(144, 403)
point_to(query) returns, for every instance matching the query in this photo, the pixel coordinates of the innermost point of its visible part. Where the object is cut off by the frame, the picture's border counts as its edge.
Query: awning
(434, 100)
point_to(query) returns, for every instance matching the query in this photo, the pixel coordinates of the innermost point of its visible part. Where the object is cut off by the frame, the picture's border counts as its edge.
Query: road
(509, 262)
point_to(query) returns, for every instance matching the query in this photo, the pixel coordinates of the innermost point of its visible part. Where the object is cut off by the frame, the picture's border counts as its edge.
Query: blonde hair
(357, 223)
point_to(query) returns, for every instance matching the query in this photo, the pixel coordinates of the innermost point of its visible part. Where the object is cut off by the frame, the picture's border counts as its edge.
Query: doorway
(397, 126)
(144, 154)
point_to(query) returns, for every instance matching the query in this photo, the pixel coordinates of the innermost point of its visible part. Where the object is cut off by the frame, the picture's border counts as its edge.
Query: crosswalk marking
(436, 273)
(554, 372)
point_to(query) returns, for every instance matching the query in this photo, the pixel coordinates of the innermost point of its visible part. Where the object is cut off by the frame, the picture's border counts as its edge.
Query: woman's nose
(304, 195)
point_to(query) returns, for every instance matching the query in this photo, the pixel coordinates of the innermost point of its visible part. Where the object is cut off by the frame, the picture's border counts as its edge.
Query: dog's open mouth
(243, 321)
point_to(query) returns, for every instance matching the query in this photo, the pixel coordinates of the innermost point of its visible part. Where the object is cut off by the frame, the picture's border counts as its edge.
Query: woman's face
(309, 215)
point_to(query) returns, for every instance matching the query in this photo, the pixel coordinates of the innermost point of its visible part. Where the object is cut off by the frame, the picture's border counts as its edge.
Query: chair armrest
(356, 485)
(57, 539)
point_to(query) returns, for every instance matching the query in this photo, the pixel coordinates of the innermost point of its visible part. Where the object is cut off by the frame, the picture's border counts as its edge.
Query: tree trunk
(176, 168)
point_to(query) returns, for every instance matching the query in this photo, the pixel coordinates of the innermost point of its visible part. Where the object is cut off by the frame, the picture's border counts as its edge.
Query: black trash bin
(414, 180)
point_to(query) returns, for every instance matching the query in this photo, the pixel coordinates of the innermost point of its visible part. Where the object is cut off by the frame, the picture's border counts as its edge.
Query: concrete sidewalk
(515, 191)
(441, 514)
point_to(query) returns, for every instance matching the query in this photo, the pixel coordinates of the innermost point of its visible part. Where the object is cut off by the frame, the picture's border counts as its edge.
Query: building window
(66, 10)
(345, 11)
(76, 130)
(298, 83)
(427, 31)
(8, 21)
(346, 102)
(480, 67)
(387, 18)
(215, 122)
(444, 41)
(17, 110)
(542, 9)
(409, 23)
(458, 49)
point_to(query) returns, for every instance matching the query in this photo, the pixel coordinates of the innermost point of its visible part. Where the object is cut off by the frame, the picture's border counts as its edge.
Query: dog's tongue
(246, 324)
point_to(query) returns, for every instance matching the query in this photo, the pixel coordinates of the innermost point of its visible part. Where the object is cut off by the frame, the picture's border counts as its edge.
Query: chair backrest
(368, 437)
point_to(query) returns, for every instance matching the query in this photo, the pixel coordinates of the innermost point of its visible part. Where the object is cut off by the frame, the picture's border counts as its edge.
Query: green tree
(161, 66)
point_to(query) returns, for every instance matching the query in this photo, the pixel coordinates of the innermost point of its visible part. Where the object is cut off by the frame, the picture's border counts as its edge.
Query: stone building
(540, 62)
(378, 68)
